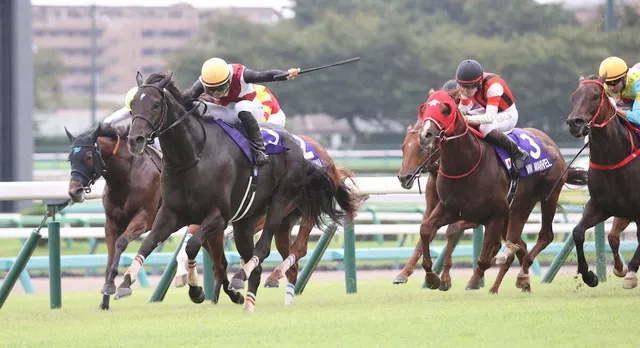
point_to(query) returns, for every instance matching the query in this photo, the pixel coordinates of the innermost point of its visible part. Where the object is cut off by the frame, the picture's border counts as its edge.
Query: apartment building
(129, 39)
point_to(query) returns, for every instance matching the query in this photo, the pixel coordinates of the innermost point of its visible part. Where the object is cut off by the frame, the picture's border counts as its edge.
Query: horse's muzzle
(137, 144)
(406, 180)
(76, 192)
(577, 126)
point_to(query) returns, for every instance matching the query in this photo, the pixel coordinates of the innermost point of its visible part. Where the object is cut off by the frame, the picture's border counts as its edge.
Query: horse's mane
(592, 77)
(111, 132)
(180, 97)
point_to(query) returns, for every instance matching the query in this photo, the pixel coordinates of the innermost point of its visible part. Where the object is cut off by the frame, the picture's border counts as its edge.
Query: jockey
(231, 87)
(272, 111)
(623, 84)
(125, 113)
(500, 117)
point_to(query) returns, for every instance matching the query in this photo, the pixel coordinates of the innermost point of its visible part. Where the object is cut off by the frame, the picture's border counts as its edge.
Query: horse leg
(275, 215)
(630, 279)
(215, 247)
(110, 233)
(213, 224)
(180, 279)
(591, 216)
(137, 226)
(428, 229)
(283, 244)
(452, 234)
(516, 222)
(619, 224)
(165, 224)
(290, 264)
(244, 244)
(431, 200)
(491, 240)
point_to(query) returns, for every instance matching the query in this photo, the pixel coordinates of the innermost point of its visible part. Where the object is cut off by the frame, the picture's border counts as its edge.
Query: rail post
(315, 257)
(477, 246)
(167, 275)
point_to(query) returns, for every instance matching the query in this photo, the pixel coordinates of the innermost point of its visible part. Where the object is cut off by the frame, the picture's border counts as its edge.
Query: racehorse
(473, 184)
(131, 196)
(208, 176)
(348, 200)
(612, 168)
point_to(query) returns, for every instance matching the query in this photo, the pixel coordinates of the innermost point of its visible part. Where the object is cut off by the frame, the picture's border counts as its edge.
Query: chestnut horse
(613, 169)
(473, 185)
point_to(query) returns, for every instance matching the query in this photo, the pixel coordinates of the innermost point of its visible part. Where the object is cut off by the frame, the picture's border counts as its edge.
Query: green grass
(564, 313)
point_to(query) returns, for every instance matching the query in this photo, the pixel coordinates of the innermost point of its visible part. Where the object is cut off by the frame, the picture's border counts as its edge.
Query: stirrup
(261, 158)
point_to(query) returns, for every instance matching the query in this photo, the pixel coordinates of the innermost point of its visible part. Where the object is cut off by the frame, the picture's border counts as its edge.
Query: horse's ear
(166, 80)
(409, 127)
(581, 78)
(431, 91)
(139, 79)
(71, 137)
(95, 132)
(603, 77)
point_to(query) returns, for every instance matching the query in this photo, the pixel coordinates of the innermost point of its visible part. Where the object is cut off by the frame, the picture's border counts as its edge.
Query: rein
(156, 132)
(635, 152)
(442, 136)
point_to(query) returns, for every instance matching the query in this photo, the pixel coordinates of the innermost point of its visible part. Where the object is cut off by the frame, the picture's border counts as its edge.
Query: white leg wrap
(133, 270)
(250, 265)
(250, 302)
(289, 295)
(192, 275)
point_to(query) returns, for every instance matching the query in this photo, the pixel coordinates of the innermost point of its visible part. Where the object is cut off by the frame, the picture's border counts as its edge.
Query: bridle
(99, 165)
(157, 132)
(603, 97)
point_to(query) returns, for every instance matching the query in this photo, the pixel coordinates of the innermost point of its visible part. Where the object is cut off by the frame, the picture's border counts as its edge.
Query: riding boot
(255, 137)
(518, 156)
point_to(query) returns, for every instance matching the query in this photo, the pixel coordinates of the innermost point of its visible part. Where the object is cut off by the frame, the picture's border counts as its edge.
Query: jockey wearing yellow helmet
(623, 84)
(125, 113)
(230, 87)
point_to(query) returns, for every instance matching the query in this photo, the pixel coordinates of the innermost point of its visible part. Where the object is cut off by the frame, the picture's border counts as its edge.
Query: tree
(48, 71)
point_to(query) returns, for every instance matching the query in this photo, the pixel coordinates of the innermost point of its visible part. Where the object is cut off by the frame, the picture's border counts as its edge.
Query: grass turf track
(565, 313)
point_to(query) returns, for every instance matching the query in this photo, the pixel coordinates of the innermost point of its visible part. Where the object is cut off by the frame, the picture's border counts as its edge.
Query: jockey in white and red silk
(500, 114)
(229, 89)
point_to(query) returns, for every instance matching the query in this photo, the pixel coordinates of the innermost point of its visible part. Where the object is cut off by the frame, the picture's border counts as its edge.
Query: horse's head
(415, 159)
(86, 162)
(440, 116)
(591, 106)
(150, 108)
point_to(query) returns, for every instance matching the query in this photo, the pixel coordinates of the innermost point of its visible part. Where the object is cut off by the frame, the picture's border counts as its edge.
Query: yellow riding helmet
(615, 68)
(215, 72)
(129, 97)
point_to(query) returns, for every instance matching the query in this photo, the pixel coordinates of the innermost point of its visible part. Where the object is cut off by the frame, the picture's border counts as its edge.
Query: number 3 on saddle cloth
(538, 158)
(272, 142)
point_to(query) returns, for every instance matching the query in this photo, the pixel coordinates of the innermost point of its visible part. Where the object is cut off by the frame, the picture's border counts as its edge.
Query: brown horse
(473, 185)
(612, 168)
(298, 249)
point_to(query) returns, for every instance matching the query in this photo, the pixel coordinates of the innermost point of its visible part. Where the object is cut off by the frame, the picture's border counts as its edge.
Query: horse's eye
(596, 97)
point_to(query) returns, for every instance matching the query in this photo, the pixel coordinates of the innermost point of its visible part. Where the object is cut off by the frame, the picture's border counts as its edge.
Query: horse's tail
(577, 176)
(317, 197)
(347, 193)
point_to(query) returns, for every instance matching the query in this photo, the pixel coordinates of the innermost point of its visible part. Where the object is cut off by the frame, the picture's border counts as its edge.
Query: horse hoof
(122, 293)
(180, 281)
(249, 307)
(621, 274)
(108, 289)
(445, 285)
(239, 299)
(590, 279)
(527, 289)
(196, 294)
(523, 281)
(104, 306)
(271, 283)
(432, 280)
(400, 279)
(630, 281)
(236, 284)
(472, 286)
(493, 291)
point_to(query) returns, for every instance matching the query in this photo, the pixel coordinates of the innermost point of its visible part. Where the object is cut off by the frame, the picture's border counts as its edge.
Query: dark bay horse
(347, 198)
(472, 184)
(206, 178)
(613, 169)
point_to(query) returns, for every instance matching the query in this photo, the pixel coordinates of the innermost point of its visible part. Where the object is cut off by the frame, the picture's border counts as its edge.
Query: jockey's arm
(252, 76)
(494, 93)
(633, 115)
(117, 116)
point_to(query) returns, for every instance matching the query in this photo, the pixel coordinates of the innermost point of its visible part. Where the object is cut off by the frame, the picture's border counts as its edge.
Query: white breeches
(505, 121)
(278, 118)
(233, 109)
